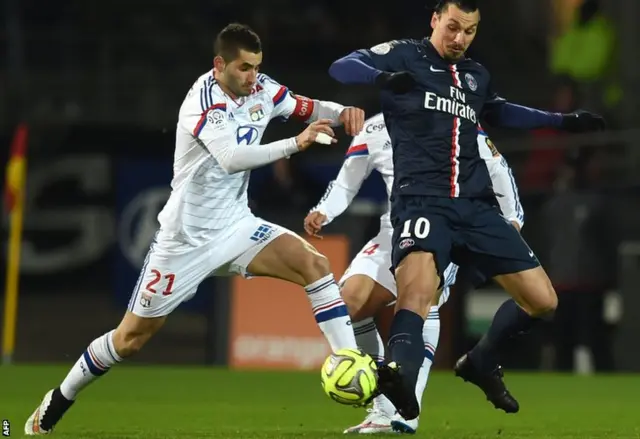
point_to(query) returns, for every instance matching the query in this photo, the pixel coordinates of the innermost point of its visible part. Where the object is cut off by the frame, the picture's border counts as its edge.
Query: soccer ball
(349, 376)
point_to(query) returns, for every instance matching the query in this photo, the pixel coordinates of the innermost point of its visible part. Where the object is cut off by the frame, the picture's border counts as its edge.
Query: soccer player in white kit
(206, 227)
(368, 285)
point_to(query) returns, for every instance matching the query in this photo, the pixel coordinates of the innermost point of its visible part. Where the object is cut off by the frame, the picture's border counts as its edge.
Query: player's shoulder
(486, 147)
(204, 96)
(401, 46)
(372, 138)
(273, 88)
(267, 81)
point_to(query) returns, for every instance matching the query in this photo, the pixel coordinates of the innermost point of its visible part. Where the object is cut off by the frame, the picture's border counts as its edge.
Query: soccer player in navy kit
(443, 207)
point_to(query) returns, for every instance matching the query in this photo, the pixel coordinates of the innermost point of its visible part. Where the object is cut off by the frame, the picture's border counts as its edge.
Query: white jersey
(371, 150)
(217, 143)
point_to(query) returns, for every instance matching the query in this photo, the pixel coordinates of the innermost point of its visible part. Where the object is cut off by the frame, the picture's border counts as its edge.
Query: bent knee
(357, 293)
(130, 342)
(353, 297)
(313, 266)
(545, 304)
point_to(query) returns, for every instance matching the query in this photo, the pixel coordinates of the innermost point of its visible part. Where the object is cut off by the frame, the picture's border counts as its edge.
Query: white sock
(93, 363)
(369, 340)
(331, 313)
(430, 334)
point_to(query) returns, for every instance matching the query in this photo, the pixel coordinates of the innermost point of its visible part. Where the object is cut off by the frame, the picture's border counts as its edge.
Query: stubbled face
(239, 75)
(453, 32)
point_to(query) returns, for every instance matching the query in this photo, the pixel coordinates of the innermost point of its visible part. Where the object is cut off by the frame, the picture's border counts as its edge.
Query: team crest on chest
(471, 81)
(256, 113)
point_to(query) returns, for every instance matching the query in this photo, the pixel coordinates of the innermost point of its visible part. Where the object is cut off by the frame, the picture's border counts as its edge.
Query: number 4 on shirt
(371, 249)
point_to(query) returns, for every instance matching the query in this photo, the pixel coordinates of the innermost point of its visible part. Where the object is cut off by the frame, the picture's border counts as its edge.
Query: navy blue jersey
(434, 127)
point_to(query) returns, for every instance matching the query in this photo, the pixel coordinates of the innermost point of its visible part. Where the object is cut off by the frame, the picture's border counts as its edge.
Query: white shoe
(33, 427)
(400, 425)
(375, 422)
(50, 408)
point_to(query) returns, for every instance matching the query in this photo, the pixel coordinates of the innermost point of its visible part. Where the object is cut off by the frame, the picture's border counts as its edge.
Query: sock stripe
(328, 305)
(112, 354)
(429, 355)
(93, 367)
(95, 359)
(315, 289)
(332, 313)
(369, 327)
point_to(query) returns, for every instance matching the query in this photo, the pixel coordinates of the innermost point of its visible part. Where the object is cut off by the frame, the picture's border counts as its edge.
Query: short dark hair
(233, 38)
(464, 5)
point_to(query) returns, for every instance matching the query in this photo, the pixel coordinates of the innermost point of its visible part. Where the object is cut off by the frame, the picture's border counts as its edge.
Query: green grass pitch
(160, 402)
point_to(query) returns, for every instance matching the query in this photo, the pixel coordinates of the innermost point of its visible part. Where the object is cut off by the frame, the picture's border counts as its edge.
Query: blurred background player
(368, 285)
(442, 201)
(206, 226)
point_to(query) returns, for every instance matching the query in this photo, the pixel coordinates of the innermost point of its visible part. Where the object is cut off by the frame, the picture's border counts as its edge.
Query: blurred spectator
(580, 244)
(586, 52)
(543, 163)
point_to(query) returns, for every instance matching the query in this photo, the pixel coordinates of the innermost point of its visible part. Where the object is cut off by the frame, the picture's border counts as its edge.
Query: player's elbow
(229, 165)
(336, 69)
(231, 168)
(342, 69)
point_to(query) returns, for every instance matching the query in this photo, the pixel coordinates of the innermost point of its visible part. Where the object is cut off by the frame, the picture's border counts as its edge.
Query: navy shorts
(465, 231)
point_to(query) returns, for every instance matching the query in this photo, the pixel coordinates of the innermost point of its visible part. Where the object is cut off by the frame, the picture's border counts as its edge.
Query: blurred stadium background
(98, 85)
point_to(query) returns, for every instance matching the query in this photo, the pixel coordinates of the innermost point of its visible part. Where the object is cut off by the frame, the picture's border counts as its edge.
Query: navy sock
(509, 323)
(406, 345)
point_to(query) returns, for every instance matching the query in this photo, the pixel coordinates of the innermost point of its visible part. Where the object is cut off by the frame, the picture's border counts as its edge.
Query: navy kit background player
(432, 98)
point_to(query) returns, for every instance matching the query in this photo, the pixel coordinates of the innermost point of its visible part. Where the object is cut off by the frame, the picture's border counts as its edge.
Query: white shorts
(172, 272)
(374, 261)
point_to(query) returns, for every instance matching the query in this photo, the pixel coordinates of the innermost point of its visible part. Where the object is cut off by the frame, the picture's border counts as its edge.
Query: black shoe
(391, 385)
(490, 383)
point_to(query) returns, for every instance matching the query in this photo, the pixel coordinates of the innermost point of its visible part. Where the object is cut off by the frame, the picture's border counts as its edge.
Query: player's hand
(352, 119)
(319, 131)
(582, 121)
(398, 82)
(516, 225)
(313, 223)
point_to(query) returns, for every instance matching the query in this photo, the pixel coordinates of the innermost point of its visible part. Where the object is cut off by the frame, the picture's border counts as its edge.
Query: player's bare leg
(417, 281)
(534, 300)
(364, 297)
(128, 338)
(293, 259)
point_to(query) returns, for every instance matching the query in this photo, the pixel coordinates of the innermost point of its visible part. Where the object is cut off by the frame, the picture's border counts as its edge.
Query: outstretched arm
(500, 113)
(355, 68)
(383, 65)
(211, 130)
(508, 115)
(289, 105)
(341, 191)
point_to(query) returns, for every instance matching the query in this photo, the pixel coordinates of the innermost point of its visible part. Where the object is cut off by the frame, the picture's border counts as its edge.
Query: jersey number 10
(421, 229)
